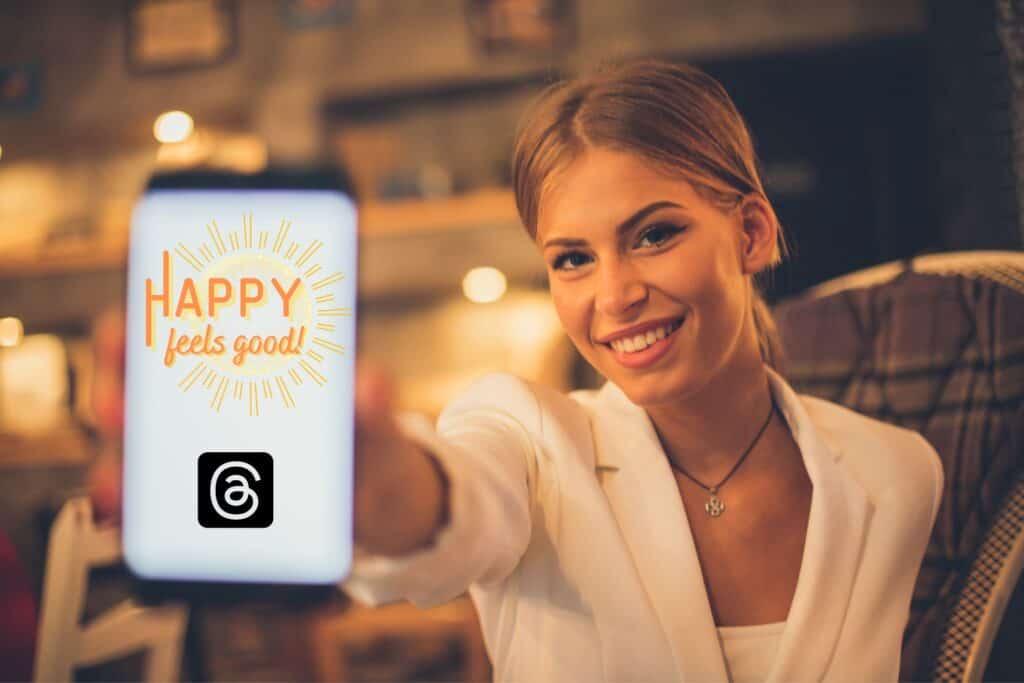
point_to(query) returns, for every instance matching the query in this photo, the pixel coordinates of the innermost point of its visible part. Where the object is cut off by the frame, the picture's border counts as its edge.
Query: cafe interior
(890, 135)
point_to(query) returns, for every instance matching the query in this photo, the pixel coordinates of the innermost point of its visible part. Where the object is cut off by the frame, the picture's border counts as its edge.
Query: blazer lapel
(642, 492)
(641, 489)
(836, 531)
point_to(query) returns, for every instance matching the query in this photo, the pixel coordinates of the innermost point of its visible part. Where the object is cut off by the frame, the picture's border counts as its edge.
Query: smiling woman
(676, 119)
(694, 519)
(676, 258)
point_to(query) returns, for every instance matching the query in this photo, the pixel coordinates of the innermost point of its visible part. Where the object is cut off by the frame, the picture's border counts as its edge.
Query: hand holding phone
(400, 494)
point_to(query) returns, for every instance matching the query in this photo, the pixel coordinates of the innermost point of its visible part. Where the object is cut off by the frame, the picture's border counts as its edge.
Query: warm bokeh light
(1, 151)
(484, 285)
(173, 126)
(11, 331)
(241, 153)
(195, 149)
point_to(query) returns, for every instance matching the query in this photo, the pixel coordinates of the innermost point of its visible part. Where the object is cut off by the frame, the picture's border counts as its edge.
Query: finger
(108, 404)
(375, 395)
(109, 338)
(105, 488)
(108, 341)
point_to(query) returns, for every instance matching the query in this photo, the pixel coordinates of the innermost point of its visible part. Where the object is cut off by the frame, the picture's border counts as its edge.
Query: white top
(567, 528)
(750, 650)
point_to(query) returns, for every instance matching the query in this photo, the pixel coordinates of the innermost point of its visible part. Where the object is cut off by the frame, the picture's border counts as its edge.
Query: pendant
(714, 507)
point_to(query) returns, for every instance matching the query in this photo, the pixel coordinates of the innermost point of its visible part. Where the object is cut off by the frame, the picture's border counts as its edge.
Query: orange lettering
(239, 346)
(169, 353)
(221, 299)
(246, 298)
(181, 346)
(286, 297)
(188, 299)
(164, 297)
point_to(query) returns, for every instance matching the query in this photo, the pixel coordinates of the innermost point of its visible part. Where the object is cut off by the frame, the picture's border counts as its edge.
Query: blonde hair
(676, 117)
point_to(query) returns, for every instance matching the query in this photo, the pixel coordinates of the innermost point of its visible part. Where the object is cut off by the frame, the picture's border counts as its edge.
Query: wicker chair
(937, 345)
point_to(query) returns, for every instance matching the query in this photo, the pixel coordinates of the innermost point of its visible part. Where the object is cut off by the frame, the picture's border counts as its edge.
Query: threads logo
(236, 490)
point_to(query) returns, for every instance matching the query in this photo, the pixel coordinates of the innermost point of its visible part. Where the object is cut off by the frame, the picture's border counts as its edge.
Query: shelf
(78, 259)
(492, 207)
(483, 208)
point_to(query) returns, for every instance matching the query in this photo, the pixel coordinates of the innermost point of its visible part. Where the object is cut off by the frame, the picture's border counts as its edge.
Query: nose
(620, 289)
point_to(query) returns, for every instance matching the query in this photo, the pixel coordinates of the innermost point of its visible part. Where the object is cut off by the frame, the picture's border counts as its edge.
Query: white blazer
(568, 531)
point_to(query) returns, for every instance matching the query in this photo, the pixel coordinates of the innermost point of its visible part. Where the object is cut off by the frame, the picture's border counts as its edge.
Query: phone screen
(239, 380)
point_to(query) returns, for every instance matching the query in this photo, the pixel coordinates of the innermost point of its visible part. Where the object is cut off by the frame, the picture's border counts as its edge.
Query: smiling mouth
(639, 342)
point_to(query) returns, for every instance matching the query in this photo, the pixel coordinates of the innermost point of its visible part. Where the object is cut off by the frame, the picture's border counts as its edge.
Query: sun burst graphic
(316, 310)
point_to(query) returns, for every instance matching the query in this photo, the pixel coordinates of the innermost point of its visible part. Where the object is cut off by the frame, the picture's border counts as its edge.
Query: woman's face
(627, 246)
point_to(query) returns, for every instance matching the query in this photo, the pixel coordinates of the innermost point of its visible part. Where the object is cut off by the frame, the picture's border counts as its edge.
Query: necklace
(715, 506)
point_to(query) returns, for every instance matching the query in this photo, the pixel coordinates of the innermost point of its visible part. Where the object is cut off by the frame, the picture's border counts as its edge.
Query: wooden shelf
(484, 208)
(65, 260)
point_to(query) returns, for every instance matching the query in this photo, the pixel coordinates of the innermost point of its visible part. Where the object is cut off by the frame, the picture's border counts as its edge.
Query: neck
(706, 432)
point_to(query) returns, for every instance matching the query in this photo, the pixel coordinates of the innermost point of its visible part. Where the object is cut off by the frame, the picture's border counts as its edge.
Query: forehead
(601, 188)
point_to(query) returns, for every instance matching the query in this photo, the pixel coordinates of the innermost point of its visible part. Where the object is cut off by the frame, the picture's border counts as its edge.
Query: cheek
(723, 300)
(690, 280)
(569, 311)
(708, 287)
(715, 276)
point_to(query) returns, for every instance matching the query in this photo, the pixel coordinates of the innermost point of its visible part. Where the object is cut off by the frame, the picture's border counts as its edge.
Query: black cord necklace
(715, 506)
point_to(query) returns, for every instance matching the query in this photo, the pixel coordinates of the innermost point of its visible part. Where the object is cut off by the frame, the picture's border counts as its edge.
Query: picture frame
(315, 14)
(522, 25)
(164, 36)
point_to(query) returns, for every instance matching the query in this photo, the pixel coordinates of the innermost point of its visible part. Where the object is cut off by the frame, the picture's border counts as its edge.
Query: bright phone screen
(239, 386)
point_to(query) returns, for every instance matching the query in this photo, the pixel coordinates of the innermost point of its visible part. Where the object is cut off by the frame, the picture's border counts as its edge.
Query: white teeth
(642, 341)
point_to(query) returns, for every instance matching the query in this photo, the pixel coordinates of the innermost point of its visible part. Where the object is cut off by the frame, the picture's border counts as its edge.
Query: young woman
(694, 519)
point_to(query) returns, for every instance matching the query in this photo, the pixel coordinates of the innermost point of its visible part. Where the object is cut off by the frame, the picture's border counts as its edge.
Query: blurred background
(886, 129)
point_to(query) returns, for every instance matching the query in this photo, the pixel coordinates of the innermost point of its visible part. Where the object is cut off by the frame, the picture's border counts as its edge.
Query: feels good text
(207, 301)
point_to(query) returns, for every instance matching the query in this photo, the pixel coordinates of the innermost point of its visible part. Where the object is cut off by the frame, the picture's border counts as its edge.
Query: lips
(648, 356)
(642, 329)
(639, 342)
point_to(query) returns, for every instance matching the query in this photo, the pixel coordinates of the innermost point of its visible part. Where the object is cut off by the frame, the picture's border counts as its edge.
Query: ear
(759, 234)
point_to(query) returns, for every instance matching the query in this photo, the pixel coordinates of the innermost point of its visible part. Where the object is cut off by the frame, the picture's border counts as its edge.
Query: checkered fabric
(936, 345)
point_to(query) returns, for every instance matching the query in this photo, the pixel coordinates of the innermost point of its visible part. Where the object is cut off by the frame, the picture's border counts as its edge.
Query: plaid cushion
(938, 348)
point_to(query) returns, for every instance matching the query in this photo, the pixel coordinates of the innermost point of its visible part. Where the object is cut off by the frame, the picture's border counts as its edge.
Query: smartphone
(239, 379)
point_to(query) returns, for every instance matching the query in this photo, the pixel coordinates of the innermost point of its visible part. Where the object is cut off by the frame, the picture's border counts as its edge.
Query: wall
(280, 76)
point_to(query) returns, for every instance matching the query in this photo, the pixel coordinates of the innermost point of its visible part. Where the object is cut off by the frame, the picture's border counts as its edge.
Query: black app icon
(236, 490)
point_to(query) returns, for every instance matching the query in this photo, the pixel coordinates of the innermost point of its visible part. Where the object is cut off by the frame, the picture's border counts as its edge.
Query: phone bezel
(289, 595)
(311, 178)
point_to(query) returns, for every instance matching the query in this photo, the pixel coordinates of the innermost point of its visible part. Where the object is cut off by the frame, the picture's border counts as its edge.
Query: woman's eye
(659, 233)
(562, 258)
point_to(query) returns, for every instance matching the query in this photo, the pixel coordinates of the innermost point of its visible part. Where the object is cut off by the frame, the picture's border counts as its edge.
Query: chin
(647, 390)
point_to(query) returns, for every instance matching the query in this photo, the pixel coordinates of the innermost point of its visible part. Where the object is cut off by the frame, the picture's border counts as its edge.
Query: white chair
(75, 546)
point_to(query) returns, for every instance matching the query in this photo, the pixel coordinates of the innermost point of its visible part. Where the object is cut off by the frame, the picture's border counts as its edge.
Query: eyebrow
(624, 227)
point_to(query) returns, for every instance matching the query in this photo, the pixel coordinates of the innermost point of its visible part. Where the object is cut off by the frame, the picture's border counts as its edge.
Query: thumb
(375, 395)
